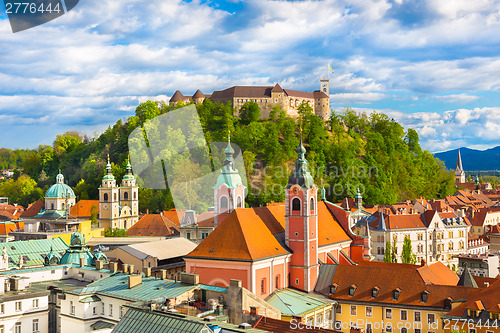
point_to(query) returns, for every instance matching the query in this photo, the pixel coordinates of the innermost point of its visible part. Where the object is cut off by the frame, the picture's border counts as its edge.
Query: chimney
(134, 280)
(147, 271)
(99, 265)
(188, 278)
(82, 262)
(125, 268)
(253, 310)
(113, 266)
(163, 274)
(131, 269)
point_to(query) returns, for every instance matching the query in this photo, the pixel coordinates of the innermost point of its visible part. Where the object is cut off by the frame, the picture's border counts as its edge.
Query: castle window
(296, 205)
(224, 203)
(125, 196)
(105, 197)
(312, 204)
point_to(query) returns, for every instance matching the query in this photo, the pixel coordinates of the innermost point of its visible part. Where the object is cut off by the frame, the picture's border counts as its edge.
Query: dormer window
(425, 296)
(375, 291)
(396, 293)
(447, 302)
(352, 289)
(333, 288)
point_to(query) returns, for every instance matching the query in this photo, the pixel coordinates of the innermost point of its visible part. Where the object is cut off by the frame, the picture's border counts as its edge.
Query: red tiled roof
(7, 227)
(83, 208)
(6, 216)
(241, 236)
(438, 274)
(174, 215)
(389, 277)
(33, 209)
(154, 225)
(404, 221)
(488, 296)
(250, 233)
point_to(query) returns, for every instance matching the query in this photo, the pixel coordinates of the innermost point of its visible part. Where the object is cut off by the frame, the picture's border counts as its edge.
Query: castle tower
(229, 192)
(301, 224)
(358, 199)
(109, 204)
(129, 199)
(459, 170)
(325, 85)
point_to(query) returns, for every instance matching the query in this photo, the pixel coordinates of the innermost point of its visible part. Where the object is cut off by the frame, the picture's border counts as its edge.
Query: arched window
(62, 205)
(238, 202)
(114, 196)
(105, 197)
(312, 204)
(296, 205)
(135, 195)
(52, 206)
(125, 196)
(223, 203)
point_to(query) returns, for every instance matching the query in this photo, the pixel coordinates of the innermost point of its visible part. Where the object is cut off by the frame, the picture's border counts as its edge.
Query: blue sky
(431, 65)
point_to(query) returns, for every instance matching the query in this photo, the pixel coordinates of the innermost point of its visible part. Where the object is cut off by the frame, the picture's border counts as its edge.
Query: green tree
(93, 215)
(147, 110)
(407, 255)
(249, 112)
(115, 232)
(394, 249)
(388, 252)
(67, 142)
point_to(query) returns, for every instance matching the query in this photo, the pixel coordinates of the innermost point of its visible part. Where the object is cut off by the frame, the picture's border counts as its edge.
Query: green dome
(77, 239)
(73, 257)
(60, 191)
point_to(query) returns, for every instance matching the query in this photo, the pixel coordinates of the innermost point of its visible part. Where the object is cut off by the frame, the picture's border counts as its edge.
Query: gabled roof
(83, 208)
(153, 225)
(33, 209)
(277, 88)
(439, 274)
(394, 222)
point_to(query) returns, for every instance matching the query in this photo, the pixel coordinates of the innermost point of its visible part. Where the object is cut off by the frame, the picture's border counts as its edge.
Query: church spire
(459, 170)
(109, 173)
(301, 175)
(459, 167)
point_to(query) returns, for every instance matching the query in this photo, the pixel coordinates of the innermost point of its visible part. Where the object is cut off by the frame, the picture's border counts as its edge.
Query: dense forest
(350, 151)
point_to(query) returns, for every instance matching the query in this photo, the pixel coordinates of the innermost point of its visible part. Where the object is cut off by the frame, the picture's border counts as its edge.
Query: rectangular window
(404, 315)
(431, 318)
(369, 311)
(94, 310)
(17, 327)
(418, 330)
(102, 309)
(339, 309)
(2, 309)
(111, 310)
(122, 311)
(188, 235)
(353, 310)
(35, 325)
(263, 286)
(35, 303)
(71, 308)
(18, 306)
(388, 328)
(388, 313)
(2, 329)
(277, 282)
(417, 316)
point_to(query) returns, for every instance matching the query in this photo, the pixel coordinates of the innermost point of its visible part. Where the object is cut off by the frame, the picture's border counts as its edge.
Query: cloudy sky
(432, 65)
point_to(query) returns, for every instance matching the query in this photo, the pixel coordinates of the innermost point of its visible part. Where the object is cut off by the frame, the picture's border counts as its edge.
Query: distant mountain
(472, 159)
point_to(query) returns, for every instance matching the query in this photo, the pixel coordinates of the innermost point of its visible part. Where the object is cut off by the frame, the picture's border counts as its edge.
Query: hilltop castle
(266, 97)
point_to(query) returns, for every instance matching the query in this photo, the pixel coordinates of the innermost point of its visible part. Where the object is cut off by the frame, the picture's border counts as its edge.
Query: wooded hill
(351, 150)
